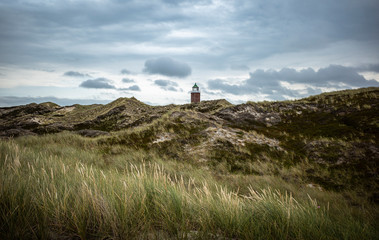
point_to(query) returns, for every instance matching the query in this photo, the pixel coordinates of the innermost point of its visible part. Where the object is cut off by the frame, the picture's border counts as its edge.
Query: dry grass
(58, 186)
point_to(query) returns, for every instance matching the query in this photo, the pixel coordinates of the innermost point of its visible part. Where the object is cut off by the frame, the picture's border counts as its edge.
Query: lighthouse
(195, 94)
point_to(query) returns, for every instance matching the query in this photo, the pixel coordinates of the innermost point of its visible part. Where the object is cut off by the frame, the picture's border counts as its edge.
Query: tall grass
(62, 191)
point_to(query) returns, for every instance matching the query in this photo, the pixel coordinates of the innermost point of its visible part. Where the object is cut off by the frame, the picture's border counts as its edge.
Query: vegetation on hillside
(303, 169)
(66, 186)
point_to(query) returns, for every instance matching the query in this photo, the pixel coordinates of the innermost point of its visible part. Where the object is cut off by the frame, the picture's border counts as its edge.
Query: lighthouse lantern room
(195, 94)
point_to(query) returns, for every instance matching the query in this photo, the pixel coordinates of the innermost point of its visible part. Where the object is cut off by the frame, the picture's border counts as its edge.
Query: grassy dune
(64, 186)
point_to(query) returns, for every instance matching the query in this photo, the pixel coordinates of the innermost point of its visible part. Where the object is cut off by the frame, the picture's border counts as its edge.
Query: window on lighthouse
(195, 88)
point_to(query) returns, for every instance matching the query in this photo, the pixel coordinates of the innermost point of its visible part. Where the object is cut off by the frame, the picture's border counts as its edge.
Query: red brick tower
(195, 94)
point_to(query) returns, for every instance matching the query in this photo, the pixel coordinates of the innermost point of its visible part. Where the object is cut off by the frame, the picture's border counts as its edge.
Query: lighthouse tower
(195, 94)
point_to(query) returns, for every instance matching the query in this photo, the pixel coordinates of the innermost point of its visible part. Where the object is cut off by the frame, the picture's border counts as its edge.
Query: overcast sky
(96, 51)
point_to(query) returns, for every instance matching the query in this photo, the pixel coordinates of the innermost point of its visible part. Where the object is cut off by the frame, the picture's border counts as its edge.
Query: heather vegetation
(304, 169)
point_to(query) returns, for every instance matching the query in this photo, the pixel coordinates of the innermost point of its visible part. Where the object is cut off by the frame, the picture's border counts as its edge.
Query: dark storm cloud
(168, 67)
(167, 85)
(127, 80)
(270, 82)
(97, 83)
(131, 88)
(75, 74)
(125, 71)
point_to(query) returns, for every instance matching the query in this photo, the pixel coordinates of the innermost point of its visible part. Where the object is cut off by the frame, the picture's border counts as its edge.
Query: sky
(82, 51)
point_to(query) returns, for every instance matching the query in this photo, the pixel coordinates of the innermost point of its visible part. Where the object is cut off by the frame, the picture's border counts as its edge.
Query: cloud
(289, 82)
(208, 35)
(242, 32)
(131, 88)
(125, 71)
(97, 83)
(368, 68)
(167, 67)
(75, 74)
(8, 101)
(127, 80)
(134, 88)
(178, 2)
(239, 67)
(231, 31)
(103, 83)
(167, 85)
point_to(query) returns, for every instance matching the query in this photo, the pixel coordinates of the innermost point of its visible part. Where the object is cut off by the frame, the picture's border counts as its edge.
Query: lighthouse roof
(195, 86)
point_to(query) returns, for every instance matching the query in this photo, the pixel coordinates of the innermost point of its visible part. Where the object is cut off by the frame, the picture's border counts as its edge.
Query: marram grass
(58, 191)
